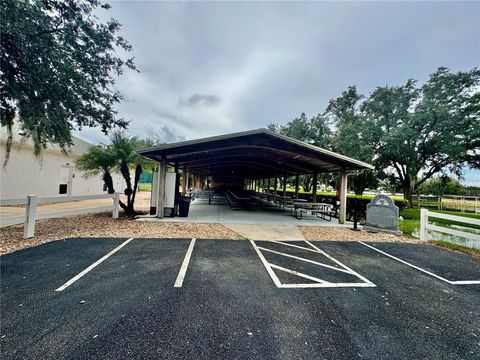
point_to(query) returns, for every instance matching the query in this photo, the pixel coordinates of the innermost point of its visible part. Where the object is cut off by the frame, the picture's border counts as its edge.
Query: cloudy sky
(215, 67)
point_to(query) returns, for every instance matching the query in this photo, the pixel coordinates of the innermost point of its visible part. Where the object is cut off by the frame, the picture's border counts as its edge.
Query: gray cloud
(270, 61)
(200, 100)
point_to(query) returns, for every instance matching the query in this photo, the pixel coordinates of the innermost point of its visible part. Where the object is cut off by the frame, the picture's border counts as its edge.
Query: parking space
(216, 299)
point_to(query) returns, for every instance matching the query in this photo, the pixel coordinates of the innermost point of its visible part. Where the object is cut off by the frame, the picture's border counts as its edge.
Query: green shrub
(356, 204)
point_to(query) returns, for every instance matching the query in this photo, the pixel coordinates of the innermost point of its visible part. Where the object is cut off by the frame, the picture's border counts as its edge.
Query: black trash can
(183, 206)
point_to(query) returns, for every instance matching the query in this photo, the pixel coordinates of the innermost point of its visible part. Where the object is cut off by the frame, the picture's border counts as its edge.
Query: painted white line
(274, 277)
(461, 282)
(351, 271)
(94, 265)
(291, 245)
(465, 282)
(305, 260)
(184, 267)
(331, 285)
(296, 273)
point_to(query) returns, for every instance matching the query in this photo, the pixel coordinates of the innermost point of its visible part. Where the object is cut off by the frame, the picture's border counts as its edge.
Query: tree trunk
(408, 192)
(128, 191)
(358, 185)
(138, 172)
(108, 181)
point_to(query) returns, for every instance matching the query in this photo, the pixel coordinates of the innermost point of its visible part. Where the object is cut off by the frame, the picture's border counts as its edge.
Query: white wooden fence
(32, 201)
(425, 226)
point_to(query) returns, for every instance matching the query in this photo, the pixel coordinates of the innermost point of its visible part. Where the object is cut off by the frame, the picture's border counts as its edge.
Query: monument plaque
(382, 215)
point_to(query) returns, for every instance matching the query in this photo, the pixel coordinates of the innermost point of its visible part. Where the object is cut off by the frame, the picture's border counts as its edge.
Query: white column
(343, 198)
(30, 216)
(116, 205)
(162, 174)
(423, 224)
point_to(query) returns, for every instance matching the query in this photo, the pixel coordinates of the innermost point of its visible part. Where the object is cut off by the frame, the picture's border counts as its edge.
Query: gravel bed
(102, 225)
(331, 233)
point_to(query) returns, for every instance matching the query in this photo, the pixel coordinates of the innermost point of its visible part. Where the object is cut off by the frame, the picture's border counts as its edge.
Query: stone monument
(382, 215)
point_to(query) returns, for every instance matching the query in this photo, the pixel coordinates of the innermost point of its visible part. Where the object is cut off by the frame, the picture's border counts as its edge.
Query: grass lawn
(411, 224)
(411, 220)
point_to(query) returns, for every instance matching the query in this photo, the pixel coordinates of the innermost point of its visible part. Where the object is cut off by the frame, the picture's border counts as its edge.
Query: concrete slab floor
(220, 212)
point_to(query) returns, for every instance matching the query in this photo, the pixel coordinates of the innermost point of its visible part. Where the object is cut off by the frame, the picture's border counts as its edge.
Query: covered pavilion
(244, 159)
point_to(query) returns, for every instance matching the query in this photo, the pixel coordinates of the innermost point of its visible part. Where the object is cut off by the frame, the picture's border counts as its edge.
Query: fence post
(116, 205)
(423, 224)
(30, 216)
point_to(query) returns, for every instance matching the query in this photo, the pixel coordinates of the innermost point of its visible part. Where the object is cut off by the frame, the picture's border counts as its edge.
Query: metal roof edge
(203, 140)
(254, 132)
(319, 149)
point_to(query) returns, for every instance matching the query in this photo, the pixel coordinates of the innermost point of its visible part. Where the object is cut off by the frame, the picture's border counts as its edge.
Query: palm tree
(119, 156)
(98, 160)
(124, 150)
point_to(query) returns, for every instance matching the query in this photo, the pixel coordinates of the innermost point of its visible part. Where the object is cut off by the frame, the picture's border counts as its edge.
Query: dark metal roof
(252, 154)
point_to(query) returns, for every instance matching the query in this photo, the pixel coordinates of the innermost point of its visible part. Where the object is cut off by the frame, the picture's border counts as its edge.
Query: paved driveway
(215, 299)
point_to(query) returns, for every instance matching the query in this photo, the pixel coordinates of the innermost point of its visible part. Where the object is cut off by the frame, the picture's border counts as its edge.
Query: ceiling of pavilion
(254, 154)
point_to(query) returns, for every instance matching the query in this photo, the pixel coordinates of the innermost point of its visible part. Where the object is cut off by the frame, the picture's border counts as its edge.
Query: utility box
(169, 194)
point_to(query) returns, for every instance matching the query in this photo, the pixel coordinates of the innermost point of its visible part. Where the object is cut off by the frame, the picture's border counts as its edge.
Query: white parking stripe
(291, 245)
(319, 283)
(466, 282)
(330, 285)
(94, 265)
(306, 260)
(296, 273)
(274, 277)
(339, 263)
(184, 267)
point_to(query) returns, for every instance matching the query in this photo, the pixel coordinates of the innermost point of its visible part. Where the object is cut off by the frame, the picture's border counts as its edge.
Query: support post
(30, 216)
(184, 182)
(284, 186)
(275, 186)
(314, 186)
(343, 198)
(297, 181)
(268, 185)
(162, 174)
(116, 205)
(423, 224)
(154, 192)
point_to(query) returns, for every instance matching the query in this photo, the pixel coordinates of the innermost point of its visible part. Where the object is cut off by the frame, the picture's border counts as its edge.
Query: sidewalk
(142, 203)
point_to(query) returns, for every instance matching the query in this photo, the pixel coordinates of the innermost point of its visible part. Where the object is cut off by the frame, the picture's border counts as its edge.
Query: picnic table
(320, 210)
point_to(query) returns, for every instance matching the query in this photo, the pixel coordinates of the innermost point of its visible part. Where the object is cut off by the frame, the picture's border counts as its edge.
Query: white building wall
(26, 174)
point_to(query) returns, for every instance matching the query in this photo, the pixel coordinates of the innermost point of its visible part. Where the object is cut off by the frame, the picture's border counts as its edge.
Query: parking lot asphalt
(238, 300)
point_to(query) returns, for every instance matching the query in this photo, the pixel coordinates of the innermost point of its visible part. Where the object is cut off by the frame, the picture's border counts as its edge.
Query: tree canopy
(58, 65)
(409, 132)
